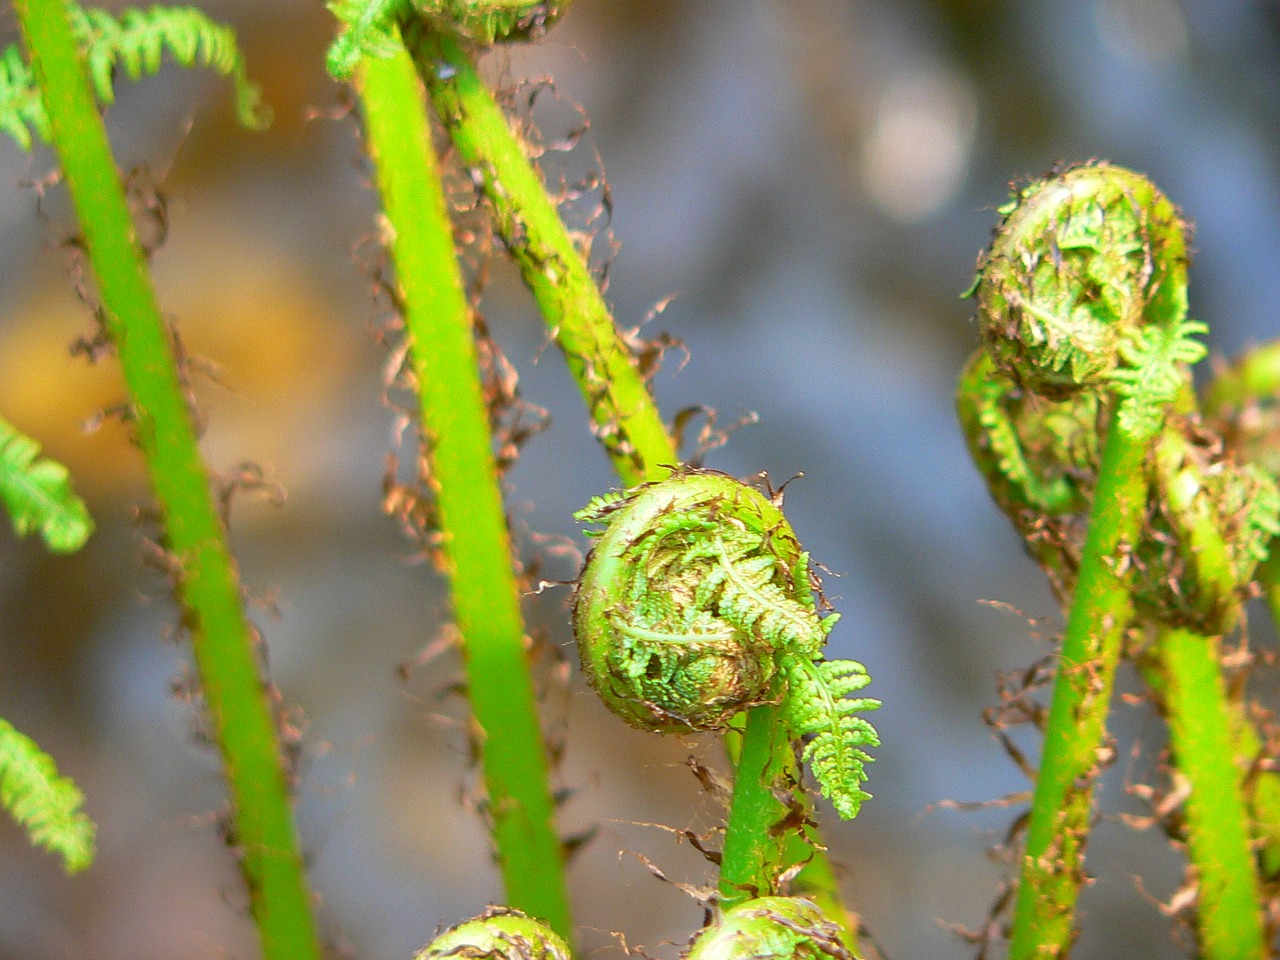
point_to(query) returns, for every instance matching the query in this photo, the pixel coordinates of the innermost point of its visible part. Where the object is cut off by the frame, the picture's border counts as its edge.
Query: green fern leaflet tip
(45, 804)
(38, 495)
(134, 42)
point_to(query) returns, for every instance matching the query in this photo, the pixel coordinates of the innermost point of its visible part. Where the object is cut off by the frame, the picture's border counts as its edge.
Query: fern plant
(696, 603)
(46, 804)
(134, 42)
(37, 493)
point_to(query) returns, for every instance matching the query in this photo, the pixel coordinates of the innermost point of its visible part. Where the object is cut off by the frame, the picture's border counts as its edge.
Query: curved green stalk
(1053, 860)
(223, 642)
(1206, 749)
(454, 422)
(626, 419)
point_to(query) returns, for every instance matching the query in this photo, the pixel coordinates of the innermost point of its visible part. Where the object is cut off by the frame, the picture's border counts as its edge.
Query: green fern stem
(626, 419)
(1053, 859)
(476, 542)
(1204, 735)
(225, 651)
(754, 850)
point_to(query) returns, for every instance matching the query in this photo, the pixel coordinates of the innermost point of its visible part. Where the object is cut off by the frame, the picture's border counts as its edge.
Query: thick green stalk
(477, 544)
(1205, 748)
(753, 853)
(223, 642)
(625, 417)
(1101, 609)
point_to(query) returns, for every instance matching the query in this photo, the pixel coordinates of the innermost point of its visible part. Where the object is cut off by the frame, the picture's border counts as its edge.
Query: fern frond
(21, 110)
(368, 30)
(1153, 375)
(45, 804)
(817, 705)
(38, 494)
(135, 42)
(753, 602)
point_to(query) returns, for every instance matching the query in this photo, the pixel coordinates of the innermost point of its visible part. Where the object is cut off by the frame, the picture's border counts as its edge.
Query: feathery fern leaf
(38, 494)
(368, 29)
(21, 110)
(45, 804)
(817, 706)
(1153, 376)
(136, 42)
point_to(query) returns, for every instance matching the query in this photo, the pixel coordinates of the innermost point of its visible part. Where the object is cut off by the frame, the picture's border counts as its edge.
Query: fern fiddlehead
(500, 933)
(1082, 303)
(696, 604)
(770, 928)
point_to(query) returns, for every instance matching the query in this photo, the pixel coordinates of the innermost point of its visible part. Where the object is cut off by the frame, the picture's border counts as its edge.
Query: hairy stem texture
(625, 417)
(1053, 861)
(223, 641)
(477, 544)
(1217, 820)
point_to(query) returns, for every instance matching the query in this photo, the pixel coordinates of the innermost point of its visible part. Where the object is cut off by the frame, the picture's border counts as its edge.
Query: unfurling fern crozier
(696, 604)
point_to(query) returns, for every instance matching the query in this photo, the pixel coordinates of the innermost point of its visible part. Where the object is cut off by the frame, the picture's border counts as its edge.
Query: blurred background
(812, 180)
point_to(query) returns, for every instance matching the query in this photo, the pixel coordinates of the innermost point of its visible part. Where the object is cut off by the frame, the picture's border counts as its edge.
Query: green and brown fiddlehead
(1132, 513)
(696, 603)
(770, 928)
(498, 934)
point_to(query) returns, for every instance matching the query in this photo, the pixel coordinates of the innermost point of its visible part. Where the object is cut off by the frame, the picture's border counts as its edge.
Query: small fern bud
(696, 604)
(770, 928)
(1084, 287)
(500, 933)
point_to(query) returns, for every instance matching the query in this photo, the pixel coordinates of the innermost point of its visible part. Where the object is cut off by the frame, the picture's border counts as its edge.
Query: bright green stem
(626, 419)
(753, 847)
(224, 646)
(476, 541)
(1053, 862)
(1205, 748)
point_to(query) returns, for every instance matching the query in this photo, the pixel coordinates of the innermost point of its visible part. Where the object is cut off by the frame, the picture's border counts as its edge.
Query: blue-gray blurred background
(812, 179)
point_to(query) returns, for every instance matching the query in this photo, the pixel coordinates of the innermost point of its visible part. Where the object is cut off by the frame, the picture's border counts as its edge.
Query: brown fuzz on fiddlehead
(770, 928)
(696, 603)
(500, 933)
